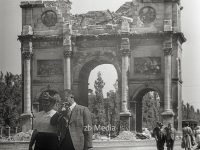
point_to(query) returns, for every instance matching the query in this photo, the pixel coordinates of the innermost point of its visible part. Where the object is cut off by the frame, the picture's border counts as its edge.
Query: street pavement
(177, 147)
(131, 145)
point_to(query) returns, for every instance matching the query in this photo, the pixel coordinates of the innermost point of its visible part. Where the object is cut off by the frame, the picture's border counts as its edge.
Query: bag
(192, 140)
(193, 143)
(182, 143)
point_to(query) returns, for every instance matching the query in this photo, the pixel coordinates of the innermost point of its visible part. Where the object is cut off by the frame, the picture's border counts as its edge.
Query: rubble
(126, 135)
(135, 136)
(124, 20)
(141, 136)
(21, 136)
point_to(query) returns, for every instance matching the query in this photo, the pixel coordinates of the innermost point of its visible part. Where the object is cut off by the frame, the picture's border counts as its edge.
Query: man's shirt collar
(72, 106)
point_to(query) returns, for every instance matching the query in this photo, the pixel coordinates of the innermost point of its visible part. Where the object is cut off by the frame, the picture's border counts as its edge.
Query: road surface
(177, 147)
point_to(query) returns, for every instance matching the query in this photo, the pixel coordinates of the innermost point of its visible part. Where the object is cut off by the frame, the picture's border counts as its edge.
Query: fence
(6, 131)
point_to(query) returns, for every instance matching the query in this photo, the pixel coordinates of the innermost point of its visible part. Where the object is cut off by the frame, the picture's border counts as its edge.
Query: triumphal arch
(142, 39)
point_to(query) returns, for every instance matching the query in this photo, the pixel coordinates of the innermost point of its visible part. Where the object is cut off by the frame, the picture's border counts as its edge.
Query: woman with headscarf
(44, 135)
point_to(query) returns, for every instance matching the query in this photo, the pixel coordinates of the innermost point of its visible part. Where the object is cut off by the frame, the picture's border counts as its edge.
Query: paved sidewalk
(132, 145)
(99, 145)
(177, 147)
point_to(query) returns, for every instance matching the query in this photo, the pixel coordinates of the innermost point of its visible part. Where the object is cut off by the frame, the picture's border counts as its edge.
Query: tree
(113, 103)
(189, 113)
(113, 100)
(10, 99)
(112, 107)
(184, 111)
(99, 109)
(150, 106)
(192, 112)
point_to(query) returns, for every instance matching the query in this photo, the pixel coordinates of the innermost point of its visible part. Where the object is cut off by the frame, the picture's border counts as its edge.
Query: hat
(49, 95)
(159, 124)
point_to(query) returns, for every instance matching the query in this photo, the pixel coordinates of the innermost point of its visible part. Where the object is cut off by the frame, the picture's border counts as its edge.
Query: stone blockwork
(42, 27)
(159, 16)
(66, 47)
(40, 15)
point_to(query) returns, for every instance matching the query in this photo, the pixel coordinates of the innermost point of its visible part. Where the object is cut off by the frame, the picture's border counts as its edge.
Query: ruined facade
(142, 39)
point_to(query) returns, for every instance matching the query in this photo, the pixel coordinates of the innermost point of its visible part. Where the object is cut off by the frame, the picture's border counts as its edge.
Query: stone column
(125, 113)
(27, 81)
(67, 68)
(168, 112)
(26, 116)
(67, 54)
(133, 107)
(179, 117)
(26, 54)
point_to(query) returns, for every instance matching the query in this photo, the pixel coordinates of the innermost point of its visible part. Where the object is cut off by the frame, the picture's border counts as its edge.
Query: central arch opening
(98, 90)
(110, 73)
(102, 96)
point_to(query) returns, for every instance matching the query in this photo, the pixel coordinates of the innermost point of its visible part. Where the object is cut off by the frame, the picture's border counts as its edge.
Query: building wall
(146, 68)
(47, 60)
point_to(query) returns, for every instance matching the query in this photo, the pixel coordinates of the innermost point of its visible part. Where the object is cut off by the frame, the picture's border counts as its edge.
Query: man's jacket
(77, 123)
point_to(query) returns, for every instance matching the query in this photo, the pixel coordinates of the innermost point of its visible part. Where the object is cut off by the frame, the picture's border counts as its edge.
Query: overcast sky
(10, 27)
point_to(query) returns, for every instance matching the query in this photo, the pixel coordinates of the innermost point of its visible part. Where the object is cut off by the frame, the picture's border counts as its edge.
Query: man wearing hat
(74, 124)
(159, 136)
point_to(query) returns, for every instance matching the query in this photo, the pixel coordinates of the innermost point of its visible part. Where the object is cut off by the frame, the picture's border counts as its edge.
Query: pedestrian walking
(187, 139)
(159, 136)
(170, 136)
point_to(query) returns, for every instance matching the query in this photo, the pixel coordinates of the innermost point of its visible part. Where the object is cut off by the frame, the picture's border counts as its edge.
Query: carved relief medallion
(49, 18)
(147, 14)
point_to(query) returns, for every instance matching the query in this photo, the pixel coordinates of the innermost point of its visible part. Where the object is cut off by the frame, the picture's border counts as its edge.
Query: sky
(10, 27)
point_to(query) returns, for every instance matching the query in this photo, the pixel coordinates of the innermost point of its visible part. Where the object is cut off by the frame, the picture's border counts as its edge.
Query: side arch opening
(147, 107)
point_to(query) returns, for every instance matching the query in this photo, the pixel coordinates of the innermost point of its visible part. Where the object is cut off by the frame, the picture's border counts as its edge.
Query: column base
(26, 121)
(125, 121)
(168, 117)
(179, 134)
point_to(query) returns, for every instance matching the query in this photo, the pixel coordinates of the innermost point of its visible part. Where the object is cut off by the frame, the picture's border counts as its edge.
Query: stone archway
(81, 75)
(66, 53)
(136, 106)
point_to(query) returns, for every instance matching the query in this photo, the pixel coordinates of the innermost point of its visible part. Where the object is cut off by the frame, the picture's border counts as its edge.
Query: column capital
(67, 53)
(125, 41)
(125, 46)
(67, 47)
(168, 46)
(126, 52)
(27, 55)
(167, 51)
(23, 38)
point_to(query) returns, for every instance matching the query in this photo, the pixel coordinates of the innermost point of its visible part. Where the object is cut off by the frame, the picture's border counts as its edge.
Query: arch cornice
(178, 35)
(146, 87)
(92, 62)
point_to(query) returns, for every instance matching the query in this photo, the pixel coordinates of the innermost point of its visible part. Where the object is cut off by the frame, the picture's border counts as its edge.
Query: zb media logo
(100, 128)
